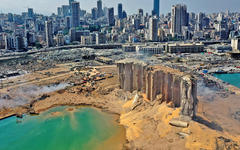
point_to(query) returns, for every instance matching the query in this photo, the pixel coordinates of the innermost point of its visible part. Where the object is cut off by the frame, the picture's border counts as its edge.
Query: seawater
(233, 79)
(61, 129)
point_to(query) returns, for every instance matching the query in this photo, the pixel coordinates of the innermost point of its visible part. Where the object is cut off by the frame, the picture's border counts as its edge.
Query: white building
(235, 43)
(154, 49)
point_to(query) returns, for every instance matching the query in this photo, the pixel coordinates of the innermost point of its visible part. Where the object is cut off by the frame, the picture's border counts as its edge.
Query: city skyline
(48, 7)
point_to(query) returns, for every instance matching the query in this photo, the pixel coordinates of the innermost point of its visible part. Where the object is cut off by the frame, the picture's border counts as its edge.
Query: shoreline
(144, 122)
(115, 116)
(28, 112)
(117, 137)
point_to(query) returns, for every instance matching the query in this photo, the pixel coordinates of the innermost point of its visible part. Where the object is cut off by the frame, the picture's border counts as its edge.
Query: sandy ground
(147, 123)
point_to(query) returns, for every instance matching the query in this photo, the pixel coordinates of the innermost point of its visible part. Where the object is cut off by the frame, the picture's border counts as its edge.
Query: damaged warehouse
(160, 81)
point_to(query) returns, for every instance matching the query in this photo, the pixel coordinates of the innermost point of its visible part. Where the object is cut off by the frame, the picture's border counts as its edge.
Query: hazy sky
(131, 6)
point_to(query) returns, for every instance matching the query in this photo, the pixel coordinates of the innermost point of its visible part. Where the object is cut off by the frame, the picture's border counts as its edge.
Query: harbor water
(62, 128)
(233, 79)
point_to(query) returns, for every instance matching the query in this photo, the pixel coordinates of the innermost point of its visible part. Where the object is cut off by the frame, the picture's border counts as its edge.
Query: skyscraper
(19, 43)
(179, 19)
(59, 11)
(30, 13)
(200, 17)
(99, 9)
(94, 13)
(111, 20)
(10, 17)
(49, 33)
(120, 11)
(68, 22)
(140, 12)
(153, 29)
(65, 10)
(70, 2)
(124, 14)
(156, 8)
(75, 20)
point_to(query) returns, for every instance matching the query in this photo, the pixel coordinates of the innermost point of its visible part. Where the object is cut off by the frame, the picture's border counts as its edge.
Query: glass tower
(156, 8)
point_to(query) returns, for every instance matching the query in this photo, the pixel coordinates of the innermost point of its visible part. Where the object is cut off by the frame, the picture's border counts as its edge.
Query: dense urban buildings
(75, 23)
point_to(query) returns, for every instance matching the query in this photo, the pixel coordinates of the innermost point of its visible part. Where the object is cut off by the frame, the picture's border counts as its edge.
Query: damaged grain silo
(173, 86)
(132, 75)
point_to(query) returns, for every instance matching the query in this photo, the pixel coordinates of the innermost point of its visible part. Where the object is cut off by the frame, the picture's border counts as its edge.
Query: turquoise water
(60, 129)
(233, 79)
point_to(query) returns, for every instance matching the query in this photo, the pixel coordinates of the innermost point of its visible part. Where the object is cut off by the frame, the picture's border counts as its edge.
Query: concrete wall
(131, 75)
(174, 86)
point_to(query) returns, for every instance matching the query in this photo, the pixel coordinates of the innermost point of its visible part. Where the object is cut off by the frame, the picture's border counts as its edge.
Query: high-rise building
(205, 22)
(200, 17)
(94, 13)
(111, 19)
(124, 14)
(60, 39)
(153, 29)
(9, 42)
(65, 10)
(75, 20)
(120, 11)
(70, 4)
(156, 8)
(19, 43)
(99, 9)
(68, 22)
(10, 17)
(82, 13)
(105, 11)
(59, 11)
(140, 12)
(100, 38)
(30, 38)
(49, 33)
(72, 33)
(179, 19)
(137, 22)
(30, 13)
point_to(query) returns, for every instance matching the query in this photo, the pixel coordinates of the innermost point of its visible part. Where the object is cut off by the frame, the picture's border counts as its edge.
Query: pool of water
(233, 79)
(62, 128)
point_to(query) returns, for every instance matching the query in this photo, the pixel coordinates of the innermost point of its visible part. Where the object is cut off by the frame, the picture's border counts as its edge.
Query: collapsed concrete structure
(160, 81)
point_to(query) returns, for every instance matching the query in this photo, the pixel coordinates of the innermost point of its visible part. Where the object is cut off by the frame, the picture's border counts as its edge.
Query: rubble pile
(46, 60)
(86, 79)
(160, 82)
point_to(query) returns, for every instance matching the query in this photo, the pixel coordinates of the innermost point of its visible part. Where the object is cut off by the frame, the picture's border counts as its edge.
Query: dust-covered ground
(217, 125)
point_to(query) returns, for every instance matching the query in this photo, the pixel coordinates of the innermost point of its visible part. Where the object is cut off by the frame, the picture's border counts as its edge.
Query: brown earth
(147, 123)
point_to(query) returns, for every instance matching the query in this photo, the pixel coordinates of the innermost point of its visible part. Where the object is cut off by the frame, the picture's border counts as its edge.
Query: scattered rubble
(226, 144)
(236, 115)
